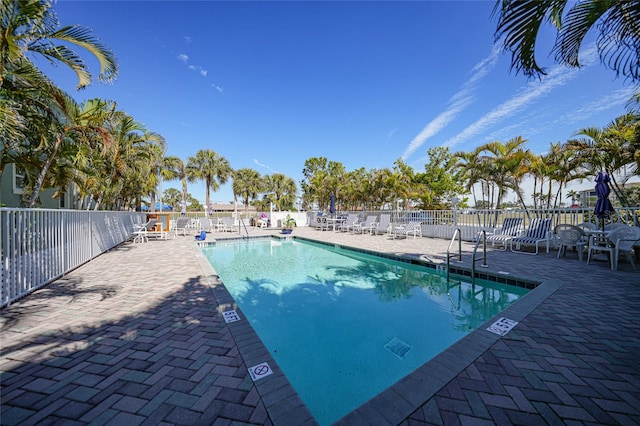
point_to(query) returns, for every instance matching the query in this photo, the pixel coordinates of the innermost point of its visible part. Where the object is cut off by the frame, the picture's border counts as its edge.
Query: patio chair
(411, 228)
(615, 225)
(625, 242)
(511, 227)
(384, 225)
(539, 231)
(141, 232)
(181, 224)
(205, 224)
(202, 236)
(226, 224)
(601, 242)
(587, 225)
(571, 236)
(368, 225)
(349, 223)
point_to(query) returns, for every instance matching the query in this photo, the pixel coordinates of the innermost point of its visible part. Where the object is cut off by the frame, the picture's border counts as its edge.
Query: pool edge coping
(397, 402)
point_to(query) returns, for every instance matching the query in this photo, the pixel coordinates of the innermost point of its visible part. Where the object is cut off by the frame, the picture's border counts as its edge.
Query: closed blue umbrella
(332, 206)
(603, 206)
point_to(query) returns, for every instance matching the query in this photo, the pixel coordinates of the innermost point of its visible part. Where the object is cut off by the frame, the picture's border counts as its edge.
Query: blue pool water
(344, 325)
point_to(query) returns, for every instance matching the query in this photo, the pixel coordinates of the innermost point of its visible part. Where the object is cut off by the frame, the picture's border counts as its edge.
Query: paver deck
(137, 336)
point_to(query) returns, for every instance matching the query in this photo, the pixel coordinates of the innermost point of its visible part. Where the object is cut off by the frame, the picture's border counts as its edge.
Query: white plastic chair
(571, 237)
(625, 240)
(600, 242)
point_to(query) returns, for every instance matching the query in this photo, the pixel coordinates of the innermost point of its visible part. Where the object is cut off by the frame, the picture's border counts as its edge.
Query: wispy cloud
(557, 77)
(264, 166)
(218, 88)
(608, 101)
(198, 69)
(187, 40)
(195, 68)
(458, 102)
(390, 135)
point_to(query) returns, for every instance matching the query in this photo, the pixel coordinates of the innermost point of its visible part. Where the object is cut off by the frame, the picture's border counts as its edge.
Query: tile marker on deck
(260, 371)
(502, 326)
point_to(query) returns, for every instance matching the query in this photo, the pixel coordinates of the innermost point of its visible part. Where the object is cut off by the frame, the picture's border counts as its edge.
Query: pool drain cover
(397, 347)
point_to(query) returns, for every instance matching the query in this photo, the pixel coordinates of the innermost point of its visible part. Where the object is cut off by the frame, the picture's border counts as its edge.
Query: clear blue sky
(270, 84)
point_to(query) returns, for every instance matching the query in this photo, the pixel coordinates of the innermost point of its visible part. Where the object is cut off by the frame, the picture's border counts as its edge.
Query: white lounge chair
(368, 225)
(511, 227)
(411, 228)
(141, 232)
(539, 231)
(205, 224)
(349, 223)
(384, 225)
(226, 224)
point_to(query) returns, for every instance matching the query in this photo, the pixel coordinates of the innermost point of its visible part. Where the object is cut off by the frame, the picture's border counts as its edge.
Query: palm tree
(118, 175)
(507, 164)
(172, 197)
(616, 22)
(469, 166)
(85, 125)
(33, 110)
(283, 188)
(214, 169)
(611, 149)
(32, 27)
(175, 168)
(248, 184)
(574, 195)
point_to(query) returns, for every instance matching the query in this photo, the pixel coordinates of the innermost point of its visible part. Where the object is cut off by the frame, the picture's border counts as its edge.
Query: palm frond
(579, 20)
(518, 26)
(83, 37)
(619, 39)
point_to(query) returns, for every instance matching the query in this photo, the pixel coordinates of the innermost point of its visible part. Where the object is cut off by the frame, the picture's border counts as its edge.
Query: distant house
(588, 197)
(229, 207)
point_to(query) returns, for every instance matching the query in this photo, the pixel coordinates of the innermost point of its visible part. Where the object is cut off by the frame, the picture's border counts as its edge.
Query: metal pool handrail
(482, 236)
(456, 235)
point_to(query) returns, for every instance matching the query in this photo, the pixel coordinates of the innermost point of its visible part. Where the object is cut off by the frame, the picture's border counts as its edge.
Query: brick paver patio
(136, 336)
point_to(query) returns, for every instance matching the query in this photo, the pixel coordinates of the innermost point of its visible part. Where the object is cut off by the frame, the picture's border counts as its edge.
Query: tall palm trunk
(43, 172)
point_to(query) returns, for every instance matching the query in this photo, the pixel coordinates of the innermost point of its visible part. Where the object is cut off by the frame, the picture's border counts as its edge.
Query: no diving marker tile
(502, 326)
(259, 371)
(230, 316)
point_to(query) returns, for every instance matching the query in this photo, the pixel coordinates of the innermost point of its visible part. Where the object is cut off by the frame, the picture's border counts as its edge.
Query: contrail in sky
(558, 76)
(457, 103)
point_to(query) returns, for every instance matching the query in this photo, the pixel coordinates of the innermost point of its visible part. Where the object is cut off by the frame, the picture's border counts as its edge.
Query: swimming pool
(345, 325)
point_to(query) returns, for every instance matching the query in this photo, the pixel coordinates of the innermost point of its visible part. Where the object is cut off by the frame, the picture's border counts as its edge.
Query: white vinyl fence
(40, 245)
(443, 223)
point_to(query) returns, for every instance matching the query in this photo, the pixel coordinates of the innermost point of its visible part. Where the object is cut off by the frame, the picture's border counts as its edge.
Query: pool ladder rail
(246, 231)
(482, 236)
